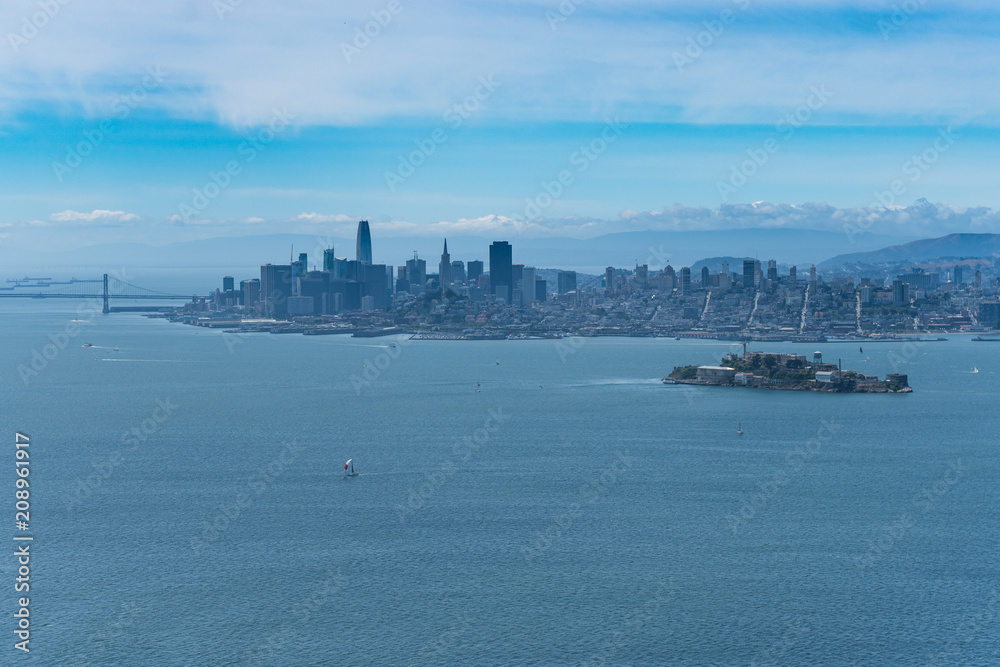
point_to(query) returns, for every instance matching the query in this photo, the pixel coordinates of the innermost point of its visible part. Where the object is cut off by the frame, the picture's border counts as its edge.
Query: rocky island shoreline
(787, 372)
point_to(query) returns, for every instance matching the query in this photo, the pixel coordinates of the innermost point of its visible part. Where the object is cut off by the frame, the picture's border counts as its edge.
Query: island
(789, 372)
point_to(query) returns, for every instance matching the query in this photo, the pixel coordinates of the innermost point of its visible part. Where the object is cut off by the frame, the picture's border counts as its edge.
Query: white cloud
(607, 57)
(99, 216)
(324, 218)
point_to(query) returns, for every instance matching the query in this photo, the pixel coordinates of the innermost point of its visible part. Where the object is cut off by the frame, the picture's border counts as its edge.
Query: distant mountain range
(625, 250)
(953, 246)
(242, 255)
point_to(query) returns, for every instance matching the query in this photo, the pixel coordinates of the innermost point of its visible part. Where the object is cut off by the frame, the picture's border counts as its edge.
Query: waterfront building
(251, 292)
(275, 288)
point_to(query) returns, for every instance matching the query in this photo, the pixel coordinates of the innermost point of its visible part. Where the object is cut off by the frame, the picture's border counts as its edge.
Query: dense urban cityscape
(717, 298)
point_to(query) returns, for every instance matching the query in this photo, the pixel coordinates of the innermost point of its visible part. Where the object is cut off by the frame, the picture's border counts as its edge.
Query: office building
(748, 274)
(684, 285)
(566, 282)
(609, 279)
(458, 273)
(275, 289)
(957, 275)
(541, 289)
(501, 270)
(772, 269)
(251, 292)
(329, 258)
(900, 293)
(475, 270)
(444, 269)
(704, 277)
(364, 246)
(528, 277)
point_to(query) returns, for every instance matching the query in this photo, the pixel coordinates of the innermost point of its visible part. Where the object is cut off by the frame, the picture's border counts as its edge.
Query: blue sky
(653, 115)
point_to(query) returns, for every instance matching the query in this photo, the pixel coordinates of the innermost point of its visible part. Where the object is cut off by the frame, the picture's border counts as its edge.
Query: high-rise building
(725, 268)
(748, 274)
(444, 269)
(251, 292)
(958, 275)
(328, 259)
(541, 289)
(791, 276)
(275, 289)
(900, 293)
(977, 280)
(501, 270)
(989, 314)
(704, 277)
(364, 249)
(228, 283)
(475, 270)
(772, 270)
(458, 272)
(609, 279)
(416, 274)
(812, 275)
(642, 276)
(684, 286)
(528, 278)
(566, 282)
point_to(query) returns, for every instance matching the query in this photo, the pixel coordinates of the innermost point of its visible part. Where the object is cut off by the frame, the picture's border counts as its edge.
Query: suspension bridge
(104, 288)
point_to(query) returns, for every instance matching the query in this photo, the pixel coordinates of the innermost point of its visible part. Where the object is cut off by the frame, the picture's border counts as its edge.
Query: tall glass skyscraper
(364, 243)
(501, 272)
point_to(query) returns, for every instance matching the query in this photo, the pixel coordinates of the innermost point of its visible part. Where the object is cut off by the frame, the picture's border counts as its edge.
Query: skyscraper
(475, 268)
(228, 284)
(444, 269)
(364, 250)
(748, 274)
(812, 275)
(501, 271)
(958, 275)
(275, 289)
(528, 278)
(772, 270)
(704, 277)
(566, 282)
(685, 281)
(791, 276)
(328, 259)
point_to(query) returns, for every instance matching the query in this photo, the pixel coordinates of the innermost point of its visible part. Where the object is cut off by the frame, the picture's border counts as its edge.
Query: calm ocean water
(573, 510)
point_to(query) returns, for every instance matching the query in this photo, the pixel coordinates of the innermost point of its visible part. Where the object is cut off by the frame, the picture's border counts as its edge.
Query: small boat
(975, 370)
(349, 469)
(88, 345)
(861, 350)
(116, 348)
(739, 429)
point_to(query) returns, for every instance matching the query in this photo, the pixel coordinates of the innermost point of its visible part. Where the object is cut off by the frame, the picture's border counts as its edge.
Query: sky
(188, 119)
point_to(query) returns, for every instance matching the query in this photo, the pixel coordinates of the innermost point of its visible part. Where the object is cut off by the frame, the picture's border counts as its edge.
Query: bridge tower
(107, 309)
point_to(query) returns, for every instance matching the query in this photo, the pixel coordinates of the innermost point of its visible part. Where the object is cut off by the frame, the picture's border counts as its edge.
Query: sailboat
(975, 370)
(349, 469)
(861, 350)
(739, 429)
